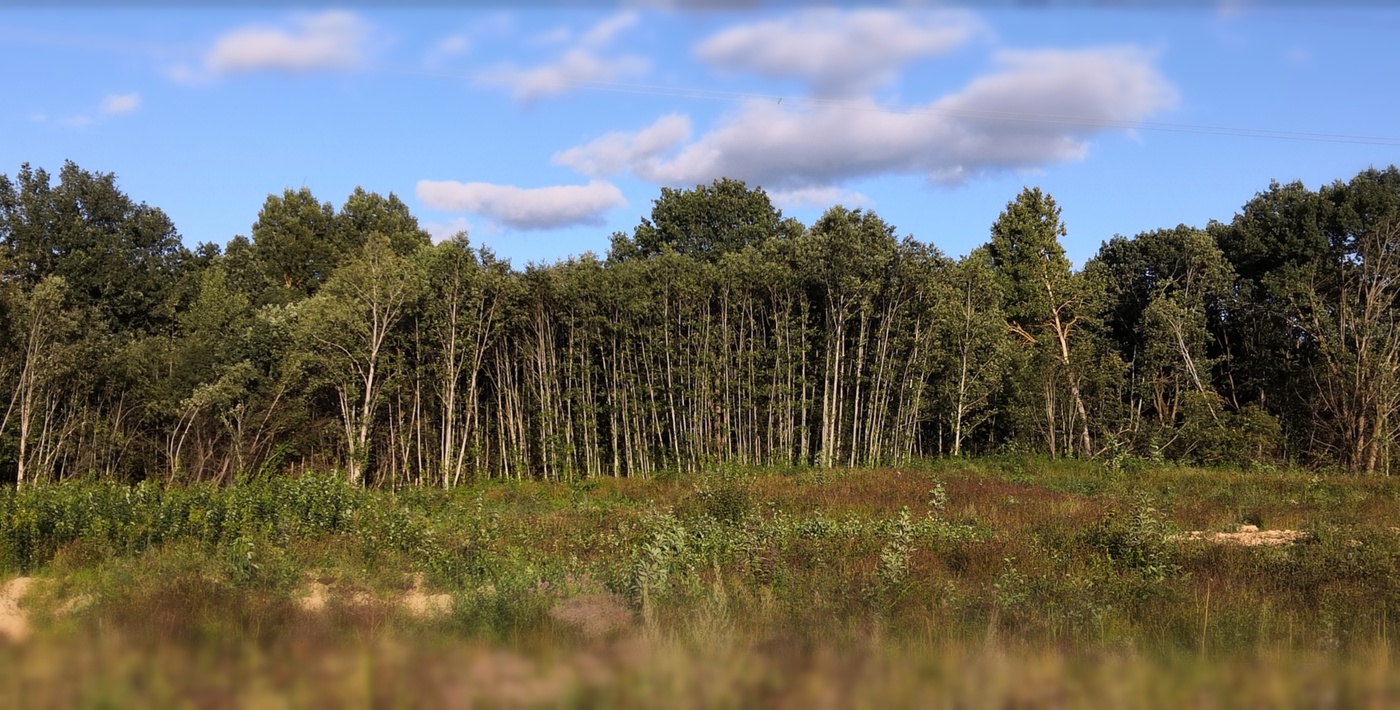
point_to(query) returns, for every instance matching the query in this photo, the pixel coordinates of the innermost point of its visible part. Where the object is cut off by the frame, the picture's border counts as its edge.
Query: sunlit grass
(951, 584)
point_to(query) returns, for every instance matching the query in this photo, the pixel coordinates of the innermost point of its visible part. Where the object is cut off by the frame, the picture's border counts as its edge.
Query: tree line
(717, 331)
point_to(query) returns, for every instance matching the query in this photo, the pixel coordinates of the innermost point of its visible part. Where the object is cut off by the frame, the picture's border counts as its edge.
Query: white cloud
(618, 150)
(602, 34)
(818, 197)
(111, 105)
(522, 208)
(558, 77)
(837, 53)
(333, 39)
(442, 231)
(583, 62)
(1040, 108)
(121, 103)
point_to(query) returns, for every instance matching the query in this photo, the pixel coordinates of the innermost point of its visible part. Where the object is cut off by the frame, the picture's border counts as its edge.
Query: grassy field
(1006, 583)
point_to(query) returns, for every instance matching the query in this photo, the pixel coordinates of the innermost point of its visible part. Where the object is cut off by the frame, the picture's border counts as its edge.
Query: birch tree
(346, 331)
(42, 330)
(974, 336)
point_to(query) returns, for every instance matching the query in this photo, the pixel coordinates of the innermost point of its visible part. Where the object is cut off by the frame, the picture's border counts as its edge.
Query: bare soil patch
(421, 603)
(314, 596)
(14, 622)
(1247, 536)
(417, 600)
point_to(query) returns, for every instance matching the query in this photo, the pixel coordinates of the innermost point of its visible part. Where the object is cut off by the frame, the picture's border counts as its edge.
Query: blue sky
(543, 131)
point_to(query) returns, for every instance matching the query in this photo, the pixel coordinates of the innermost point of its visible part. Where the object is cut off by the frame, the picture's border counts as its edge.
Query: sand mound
(14, 623)
(314, 596)
(596, 615)
(420, 603)
(1248, 536)
(416, 601)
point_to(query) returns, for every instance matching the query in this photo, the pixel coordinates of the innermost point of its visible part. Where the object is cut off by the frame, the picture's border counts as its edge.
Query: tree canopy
(706, 222)
(718, 332)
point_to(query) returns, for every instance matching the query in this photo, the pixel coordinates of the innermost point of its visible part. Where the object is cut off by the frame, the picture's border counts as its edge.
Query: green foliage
(706, 222)
(893, 570)
(118, 257)
(366, 213)
(727, 502)
(1207, 437)
(718, 334)
(39, 520)
(1135, 541)
(298, 244)
(1029, 260)
(974, 557)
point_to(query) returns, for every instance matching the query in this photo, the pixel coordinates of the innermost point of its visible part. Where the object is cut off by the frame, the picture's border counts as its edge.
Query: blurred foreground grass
(1012, 582)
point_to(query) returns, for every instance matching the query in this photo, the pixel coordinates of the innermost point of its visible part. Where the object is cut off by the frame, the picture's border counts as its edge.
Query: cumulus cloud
(1040, 108)
(582, 62)
(837, 53)
(819, 197)
(522, 208)
(619, 150)
(328, 40)
(443, 231)
(121, 103)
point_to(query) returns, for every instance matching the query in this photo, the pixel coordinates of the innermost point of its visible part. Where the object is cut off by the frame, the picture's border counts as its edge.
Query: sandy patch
(14, 623)
(596, 615)
(419, 602)
(1247, 536)
(314, 596)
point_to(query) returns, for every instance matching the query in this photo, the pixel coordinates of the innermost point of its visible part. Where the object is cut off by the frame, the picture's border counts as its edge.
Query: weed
(938, 497)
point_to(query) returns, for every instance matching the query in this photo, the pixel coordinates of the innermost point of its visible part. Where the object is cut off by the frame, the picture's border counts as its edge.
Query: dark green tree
(366, 213)
(706, 222)
(115, 255)
(1044, 301)
(298, 242)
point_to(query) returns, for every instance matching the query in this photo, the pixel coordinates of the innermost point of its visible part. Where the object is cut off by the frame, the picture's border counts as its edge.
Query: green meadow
(1006, 582)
